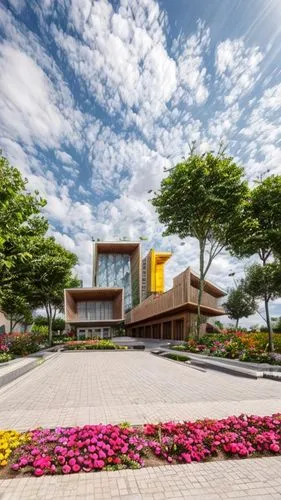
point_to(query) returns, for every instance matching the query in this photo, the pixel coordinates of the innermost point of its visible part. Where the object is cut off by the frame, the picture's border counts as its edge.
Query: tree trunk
(269, 326)
(200, 291)
(50, 324)
(236, 326)
(11, 324)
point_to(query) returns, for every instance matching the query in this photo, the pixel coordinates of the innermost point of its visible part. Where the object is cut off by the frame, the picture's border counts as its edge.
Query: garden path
(92, 387)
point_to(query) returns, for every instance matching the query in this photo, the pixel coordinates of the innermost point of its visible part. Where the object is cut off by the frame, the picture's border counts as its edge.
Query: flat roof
(94, 293)
(127, 247)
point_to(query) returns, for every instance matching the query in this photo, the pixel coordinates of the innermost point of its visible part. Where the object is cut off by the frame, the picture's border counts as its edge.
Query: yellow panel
(157, 261)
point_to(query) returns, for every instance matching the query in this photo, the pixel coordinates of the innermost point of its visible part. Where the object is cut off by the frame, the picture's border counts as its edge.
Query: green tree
(257, 230)
(264, 282)
(15, 307)
(20, 222)
(58, 323)
(51, 273)
(239, 304)
(199, 198)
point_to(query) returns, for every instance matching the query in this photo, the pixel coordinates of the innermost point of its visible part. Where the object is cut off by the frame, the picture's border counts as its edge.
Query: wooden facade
(74, 295)
(173, 314)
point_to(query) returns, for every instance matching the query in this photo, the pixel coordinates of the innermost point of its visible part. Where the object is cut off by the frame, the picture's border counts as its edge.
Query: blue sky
(97, 97)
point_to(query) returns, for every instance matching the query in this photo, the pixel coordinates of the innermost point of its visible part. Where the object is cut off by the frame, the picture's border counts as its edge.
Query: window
(114, 270)
(95, 310)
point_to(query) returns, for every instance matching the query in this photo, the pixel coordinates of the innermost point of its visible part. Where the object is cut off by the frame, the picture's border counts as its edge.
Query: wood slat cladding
(182, 297)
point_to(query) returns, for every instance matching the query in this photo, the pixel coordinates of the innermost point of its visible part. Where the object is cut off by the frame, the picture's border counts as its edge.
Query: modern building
(126, 288)
(94, 312)
(172, 314)
(97, 311)
(118, 264)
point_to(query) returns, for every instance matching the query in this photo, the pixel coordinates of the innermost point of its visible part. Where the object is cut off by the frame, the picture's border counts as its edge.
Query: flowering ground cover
(83, 345)
(5, 354)
(9, 441)
(20, 344)
(235, 345)
(111, 447)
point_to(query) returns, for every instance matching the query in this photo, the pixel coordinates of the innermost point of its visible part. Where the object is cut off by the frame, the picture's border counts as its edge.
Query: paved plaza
(93, 387)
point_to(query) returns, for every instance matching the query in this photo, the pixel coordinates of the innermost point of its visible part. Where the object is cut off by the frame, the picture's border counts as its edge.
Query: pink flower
(76, 468)
(38, 472)
(275, 447)
(66, 469)
(61, 460)
(72, 461)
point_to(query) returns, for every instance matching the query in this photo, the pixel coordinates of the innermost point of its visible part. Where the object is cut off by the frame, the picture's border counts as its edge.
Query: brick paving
(82, 388)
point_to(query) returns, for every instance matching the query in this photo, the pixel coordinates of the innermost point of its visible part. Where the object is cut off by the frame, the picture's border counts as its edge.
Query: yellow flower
(10, 440)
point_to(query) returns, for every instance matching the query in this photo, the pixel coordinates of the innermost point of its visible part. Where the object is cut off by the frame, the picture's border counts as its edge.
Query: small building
(96, 311)
(126, 288)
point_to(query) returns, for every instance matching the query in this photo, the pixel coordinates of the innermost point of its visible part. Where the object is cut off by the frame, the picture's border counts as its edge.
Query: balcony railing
(177, 296)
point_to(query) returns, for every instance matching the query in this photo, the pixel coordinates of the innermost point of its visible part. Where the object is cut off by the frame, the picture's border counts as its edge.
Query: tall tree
(51, 273)
(20, 222)
(240, 304)
(15, 307)
(199, 198)
(264, 282)
(257, 230)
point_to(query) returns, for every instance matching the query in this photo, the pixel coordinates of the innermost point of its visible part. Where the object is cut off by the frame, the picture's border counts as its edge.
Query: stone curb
(22, 370)
(215, 365)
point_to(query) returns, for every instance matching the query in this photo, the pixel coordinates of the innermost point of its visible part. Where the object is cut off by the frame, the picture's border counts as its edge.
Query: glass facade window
(114, 271)
(95, 310)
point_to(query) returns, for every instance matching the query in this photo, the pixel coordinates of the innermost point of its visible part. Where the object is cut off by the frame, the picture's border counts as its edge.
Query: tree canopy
(199, 198)
(258, 228)
(264, 282)
(51, 273)
(240, 304)
(21, 222)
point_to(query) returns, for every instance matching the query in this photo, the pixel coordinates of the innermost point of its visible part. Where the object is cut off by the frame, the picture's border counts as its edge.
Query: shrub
(22, 344)
(246, 346)
(40, 329)
(92, 344)
(60, 339)
(4, 357)
(177, 357)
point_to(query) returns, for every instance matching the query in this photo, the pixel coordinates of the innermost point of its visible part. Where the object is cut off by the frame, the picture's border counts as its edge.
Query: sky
(97, 97)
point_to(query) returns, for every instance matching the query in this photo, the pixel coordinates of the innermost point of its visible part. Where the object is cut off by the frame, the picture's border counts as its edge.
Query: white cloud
(28, 111)
(122, 55)
(238, 68)
(155, 95)
(65, 158)
(191, 71)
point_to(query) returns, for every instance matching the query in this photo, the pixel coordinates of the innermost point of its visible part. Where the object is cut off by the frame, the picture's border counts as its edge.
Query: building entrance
(94, 332)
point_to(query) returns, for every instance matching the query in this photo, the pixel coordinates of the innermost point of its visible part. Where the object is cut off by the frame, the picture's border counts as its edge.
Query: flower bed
(82, 345)
(111, 447)
(22, 344)
(9, 441)
(5, 354)
(235, 345)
